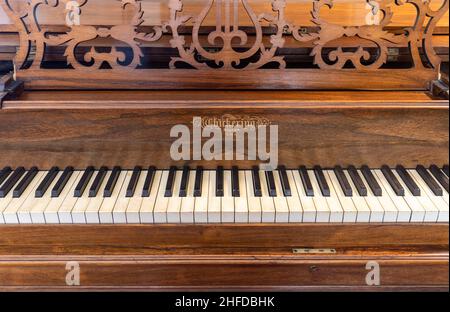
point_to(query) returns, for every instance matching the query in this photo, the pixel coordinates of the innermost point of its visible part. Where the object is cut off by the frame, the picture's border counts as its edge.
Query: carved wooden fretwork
(229, 45)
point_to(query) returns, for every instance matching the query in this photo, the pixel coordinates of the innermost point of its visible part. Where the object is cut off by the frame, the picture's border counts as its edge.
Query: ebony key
(198, 182)
(31, 174)
(131, 188)
(343, 181)
(12, 180)
(184, 181)
(256, 182)
(170, 182)
(58, 188)
(95, 187)
(323, 184)
(85, 178)
(285, 181)
(373, 183)
(393, 182)
(440, 176)
(409, 181)
(446, 170)
(45, 184)
(219, 182)
(271, 184)
(432, 184)
(236, 192)
(307, 184)
(357, 181)
(4, 174)
(112, 181)
(148, 182)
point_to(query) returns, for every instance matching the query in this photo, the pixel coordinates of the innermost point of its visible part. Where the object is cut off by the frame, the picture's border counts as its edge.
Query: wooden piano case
(342, 89)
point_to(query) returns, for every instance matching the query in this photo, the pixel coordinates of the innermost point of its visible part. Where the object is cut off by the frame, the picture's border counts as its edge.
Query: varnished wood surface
(129, 129)
(148, 239)
(301, 79)
(220, 257)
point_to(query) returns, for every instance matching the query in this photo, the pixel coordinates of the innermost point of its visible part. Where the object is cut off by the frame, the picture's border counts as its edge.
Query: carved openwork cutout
(227, 44)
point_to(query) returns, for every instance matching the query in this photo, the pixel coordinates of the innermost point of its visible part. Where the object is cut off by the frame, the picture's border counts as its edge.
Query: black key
(112, 181)
(446, 170)
(343, 181)
(198, 182)
(306, 181)
(256, 182)
(95, 187)
(58, 188)
(219, 182)
(45, 184)
(4, 174)
(323, 184)
(13, 179)
(271, 184)
(373, 183)
(85, 178)
(285, 181)
(170, 182)
(440, 176)
(432, 184)
(357, 181)
(131, 188)
(148, 182)
(27, 179)
(392, 180)
(236, 191)
(409, 181)
(184, 181)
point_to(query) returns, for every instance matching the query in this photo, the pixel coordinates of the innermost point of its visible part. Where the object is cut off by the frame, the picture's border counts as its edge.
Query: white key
(253, 202)
(404, 212)
(93, 210)
(295, 206)
(148, 203)
(347, 204)
(14, 213)
(120, 208)
(108, 204)
(418, 212)
(308, 205)
(337, 211)
(4, 202)
(281, 206)
(174, 206)
(267, 203)
(65, 211)
(375, 206)
(320, 201)
(214, 202)
(162, 202)
(188, 202)
(79, 210)
(241, 202)
(438, 201)
(135, 203)
(39, 205)
(51, 211)
(227, 199)
(390, 210)
(201, 203)
(364, 212)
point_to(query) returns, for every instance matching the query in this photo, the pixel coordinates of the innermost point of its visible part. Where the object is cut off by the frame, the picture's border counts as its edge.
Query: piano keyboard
(116, 196)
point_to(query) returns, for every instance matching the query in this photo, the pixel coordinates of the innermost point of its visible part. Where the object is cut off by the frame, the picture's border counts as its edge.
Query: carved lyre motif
(32, 33)
(227, 30)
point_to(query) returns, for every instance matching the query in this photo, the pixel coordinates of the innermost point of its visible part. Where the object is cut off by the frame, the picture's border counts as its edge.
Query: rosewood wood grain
(148, 239)
(341, 129)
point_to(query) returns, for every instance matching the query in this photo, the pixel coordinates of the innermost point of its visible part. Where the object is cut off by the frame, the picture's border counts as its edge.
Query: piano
(114, 159)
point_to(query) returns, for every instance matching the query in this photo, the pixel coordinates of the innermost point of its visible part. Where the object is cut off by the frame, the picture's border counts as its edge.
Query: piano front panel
(133, 129)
